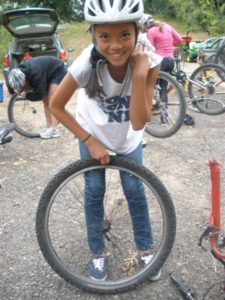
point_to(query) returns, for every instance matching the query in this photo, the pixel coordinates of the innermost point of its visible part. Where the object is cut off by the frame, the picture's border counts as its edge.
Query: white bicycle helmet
(145, 21)
(113, 11)
(17, 79)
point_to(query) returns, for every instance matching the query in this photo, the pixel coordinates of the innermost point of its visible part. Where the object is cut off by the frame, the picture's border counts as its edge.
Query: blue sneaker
(98, 268)
(144, 260)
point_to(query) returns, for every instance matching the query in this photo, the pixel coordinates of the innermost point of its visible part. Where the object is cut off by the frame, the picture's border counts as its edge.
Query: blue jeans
(135, 195)
(167, 65)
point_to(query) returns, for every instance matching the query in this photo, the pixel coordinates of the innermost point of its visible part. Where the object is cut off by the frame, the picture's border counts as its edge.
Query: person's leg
(135, 195)
(94, 212)
(51, 122)
(47, 112)
(49, 117)
(167, 65)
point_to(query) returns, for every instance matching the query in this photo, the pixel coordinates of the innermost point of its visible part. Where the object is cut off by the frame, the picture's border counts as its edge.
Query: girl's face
(116, 42)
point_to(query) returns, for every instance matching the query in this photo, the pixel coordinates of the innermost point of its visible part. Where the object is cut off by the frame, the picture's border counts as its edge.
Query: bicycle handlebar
(4, 132)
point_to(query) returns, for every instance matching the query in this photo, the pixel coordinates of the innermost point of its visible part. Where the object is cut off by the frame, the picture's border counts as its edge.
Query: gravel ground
(181, 162)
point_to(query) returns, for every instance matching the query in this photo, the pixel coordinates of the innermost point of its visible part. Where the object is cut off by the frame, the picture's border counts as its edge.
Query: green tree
(199, 14)
(68, 10)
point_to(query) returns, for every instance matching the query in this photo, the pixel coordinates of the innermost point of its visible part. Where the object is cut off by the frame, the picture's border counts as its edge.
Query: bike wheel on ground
(169, 107)
(61, 226)
(28, 116)
(206, 89)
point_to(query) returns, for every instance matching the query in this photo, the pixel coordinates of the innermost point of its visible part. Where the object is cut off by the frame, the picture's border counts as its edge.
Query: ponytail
(93, 87)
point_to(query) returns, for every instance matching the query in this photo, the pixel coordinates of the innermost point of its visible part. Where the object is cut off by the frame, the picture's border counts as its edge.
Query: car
(35, 33)
(209, 48)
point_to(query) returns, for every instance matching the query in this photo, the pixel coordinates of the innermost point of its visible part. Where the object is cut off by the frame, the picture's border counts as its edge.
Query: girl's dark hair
(93, 88)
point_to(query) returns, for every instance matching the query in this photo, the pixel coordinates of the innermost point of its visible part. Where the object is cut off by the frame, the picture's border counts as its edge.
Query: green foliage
(198, 14)
(68, 10)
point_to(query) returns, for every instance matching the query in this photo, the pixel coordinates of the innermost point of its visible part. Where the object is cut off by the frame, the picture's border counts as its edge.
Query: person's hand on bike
(98, 151)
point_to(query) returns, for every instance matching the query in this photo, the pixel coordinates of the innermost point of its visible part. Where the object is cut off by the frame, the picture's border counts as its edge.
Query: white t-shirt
(106, 117)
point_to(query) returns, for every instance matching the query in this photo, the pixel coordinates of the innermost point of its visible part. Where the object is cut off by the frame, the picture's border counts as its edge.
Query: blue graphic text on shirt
(117, 108)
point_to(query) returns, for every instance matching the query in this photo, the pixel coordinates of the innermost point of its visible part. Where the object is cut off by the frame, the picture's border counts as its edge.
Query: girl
(115, 81)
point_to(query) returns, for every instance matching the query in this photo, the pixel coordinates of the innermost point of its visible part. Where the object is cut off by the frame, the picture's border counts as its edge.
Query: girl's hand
(97, 151)
(140, 60)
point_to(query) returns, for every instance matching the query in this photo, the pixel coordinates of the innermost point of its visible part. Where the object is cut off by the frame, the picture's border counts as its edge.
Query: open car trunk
(26, 49)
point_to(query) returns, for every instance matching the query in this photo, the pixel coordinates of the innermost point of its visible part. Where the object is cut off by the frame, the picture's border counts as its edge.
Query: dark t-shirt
(40, 72)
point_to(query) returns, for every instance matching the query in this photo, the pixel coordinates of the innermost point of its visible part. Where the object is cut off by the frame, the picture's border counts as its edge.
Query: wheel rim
(170, 110)
(68, 243)
(28, 116)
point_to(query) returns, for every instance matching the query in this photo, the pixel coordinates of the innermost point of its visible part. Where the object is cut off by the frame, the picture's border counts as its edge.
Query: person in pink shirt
(164, 38)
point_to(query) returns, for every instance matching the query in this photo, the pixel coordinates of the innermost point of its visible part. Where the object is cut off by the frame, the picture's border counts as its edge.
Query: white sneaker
(145, 260)
(49, 133)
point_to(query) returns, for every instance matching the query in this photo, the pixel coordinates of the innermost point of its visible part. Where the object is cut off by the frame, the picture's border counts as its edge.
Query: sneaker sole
(50, 137)
(103, 279)
(156, 277)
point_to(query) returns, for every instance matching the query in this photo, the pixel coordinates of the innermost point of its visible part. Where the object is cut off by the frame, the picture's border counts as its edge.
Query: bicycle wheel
(206, 89)
(220, 57)
(28, 116)
(170, 107)
(61, 227)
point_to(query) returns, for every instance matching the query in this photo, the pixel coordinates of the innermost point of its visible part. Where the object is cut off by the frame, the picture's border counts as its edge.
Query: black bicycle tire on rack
(47, 205)
(165, 132)
(13, 118)
(220, 70)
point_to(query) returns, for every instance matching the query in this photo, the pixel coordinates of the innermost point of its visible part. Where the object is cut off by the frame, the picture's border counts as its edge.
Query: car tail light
(63, 55)
(5, 61)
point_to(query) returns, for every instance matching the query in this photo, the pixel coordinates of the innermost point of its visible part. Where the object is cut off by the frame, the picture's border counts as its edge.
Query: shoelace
(99, 263)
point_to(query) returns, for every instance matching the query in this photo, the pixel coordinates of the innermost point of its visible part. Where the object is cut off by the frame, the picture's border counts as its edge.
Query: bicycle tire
(56, 230)
(206, 89)
(28, 116)
(172, 103)
(220, 57)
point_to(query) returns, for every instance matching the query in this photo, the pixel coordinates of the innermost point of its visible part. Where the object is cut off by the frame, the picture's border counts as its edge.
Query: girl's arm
(57, 107)
(143, 82)
(177, 39)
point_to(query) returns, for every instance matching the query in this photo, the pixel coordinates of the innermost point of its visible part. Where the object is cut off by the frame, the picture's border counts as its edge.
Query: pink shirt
(164, 40)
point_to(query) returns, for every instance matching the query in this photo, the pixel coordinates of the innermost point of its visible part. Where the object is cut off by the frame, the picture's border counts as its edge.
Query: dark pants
(167, 65)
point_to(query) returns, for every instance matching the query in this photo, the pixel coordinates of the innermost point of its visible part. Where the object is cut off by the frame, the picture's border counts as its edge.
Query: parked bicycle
(169, 107)
(205, 87)
(4, 133)
(61, 227)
